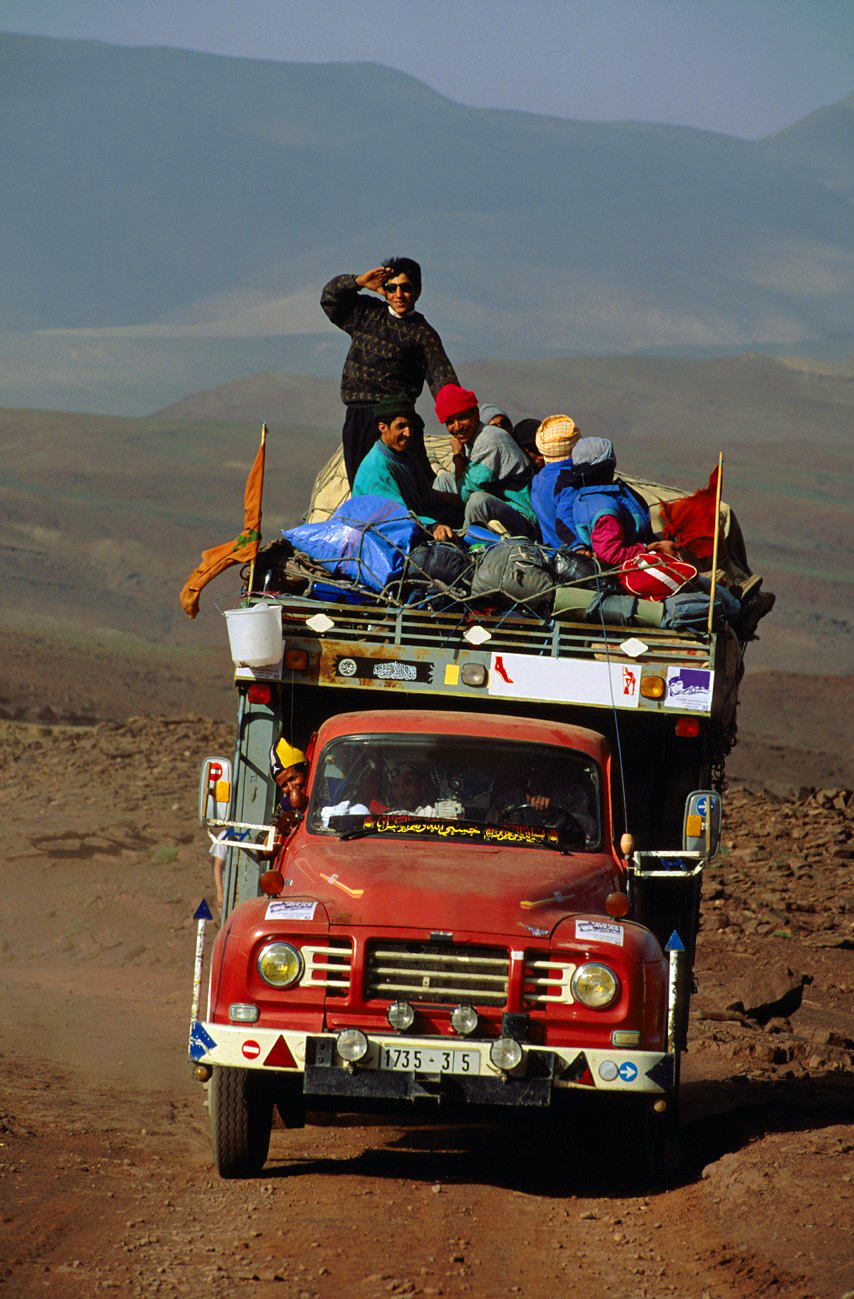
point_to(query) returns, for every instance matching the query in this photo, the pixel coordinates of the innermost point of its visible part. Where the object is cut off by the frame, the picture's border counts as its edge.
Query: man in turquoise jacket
(389, 471)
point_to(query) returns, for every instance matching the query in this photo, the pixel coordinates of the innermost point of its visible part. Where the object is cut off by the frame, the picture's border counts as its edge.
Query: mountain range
(170, 217)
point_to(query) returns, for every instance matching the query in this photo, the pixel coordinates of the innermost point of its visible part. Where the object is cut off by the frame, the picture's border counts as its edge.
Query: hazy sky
(745, 67)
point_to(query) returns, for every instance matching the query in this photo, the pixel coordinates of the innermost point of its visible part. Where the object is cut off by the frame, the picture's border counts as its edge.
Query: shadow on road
(591, 1150)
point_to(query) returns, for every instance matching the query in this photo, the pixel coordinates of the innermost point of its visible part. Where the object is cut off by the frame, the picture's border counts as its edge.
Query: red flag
(690, 521)
(242, 550)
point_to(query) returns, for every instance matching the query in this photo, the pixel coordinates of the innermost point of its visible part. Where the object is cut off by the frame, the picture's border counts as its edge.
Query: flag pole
(717, 536)
(252, 565)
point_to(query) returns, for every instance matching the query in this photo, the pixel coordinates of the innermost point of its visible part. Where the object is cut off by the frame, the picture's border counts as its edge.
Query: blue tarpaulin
(366, 540)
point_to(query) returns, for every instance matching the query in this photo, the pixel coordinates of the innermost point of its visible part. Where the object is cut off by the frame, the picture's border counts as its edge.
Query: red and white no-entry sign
(251, 1049)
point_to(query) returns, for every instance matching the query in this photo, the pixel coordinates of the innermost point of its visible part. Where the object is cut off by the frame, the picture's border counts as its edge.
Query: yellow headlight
(595, 986)
(280, 965)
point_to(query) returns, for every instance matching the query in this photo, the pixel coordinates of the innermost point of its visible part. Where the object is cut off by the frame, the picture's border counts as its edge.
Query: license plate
(418, 1059)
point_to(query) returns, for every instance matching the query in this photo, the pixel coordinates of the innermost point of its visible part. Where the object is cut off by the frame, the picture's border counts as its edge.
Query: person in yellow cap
(289, 767)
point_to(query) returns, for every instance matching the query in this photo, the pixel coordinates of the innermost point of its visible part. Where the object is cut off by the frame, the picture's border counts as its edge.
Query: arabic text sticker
(599, 931)
(285, 909)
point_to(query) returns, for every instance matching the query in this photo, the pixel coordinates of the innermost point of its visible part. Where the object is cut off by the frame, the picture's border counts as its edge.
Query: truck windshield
(425, 785)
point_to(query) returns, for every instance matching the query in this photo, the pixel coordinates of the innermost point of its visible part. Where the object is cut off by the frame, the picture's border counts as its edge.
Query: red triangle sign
(280, 1055)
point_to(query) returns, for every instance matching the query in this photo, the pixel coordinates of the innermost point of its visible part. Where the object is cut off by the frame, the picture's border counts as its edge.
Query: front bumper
(543, 1070)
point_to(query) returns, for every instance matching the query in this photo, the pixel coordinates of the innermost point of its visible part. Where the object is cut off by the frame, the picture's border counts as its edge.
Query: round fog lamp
(400, 1015)
(595, 986)
(352, 1045)
(464, 1020)
(506, 1053)
(280, 965)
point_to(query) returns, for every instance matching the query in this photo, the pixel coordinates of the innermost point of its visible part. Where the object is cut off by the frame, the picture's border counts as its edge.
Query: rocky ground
(104, 1167)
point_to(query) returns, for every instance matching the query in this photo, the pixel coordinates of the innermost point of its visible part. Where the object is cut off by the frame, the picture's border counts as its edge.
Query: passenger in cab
(388, 470)
(555, 438)
(491, 474)
(393, 348)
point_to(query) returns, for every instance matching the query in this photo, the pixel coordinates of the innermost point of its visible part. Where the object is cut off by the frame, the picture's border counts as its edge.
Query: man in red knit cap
(491, 473)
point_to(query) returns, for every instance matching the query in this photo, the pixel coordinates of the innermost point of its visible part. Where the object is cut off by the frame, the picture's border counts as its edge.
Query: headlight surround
(595, 986)
(280, 965)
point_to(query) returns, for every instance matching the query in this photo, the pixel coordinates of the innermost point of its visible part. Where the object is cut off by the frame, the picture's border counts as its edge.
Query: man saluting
(393, 350)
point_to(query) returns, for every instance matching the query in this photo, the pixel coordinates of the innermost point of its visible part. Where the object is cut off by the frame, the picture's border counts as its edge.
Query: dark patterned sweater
(389, 354)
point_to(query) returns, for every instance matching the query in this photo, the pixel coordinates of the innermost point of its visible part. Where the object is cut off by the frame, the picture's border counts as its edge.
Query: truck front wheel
(241, 1111)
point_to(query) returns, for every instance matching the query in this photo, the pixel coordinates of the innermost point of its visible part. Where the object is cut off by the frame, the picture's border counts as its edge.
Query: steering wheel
(566, 819)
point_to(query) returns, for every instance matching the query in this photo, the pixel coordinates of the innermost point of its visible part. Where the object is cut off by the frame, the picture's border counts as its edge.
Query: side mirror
(214, 789)
(701, 829)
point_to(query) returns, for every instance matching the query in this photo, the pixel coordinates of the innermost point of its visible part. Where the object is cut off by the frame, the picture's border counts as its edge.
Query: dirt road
(104, 1164)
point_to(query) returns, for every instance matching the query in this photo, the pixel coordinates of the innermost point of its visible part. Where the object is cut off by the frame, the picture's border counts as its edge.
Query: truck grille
(328, 967)
(438, 973)
(547, 981)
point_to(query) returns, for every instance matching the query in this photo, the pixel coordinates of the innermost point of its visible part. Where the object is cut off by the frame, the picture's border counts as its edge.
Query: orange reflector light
(296, 660)
(688, 727)
(617, 904)
(258, 693)
(272, 883)
(653, 687)
(222, 791)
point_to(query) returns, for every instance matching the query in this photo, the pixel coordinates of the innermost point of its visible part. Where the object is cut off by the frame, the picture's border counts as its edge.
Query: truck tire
(241, 1120)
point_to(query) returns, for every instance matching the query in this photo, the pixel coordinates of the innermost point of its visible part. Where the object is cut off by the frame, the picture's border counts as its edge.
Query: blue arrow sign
(202, 911)
(674, 943)
(628, 1071)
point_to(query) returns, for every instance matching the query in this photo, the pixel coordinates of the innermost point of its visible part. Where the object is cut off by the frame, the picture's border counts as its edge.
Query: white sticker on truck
(598, 931)
(689, 689)
(286, 909)
(523, 676)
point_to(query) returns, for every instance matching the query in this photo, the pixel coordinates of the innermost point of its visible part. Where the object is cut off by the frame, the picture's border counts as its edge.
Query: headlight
(464, 1020)
(280, 965)
(595, 986)
(352, 1045)
(400, 1015)
(506, 1053)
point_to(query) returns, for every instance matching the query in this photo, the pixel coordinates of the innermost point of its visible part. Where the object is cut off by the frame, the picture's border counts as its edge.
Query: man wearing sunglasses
(393, 349)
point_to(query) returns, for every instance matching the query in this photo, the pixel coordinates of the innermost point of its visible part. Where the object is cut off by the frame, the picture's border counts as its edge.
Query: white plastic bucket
(255, 635)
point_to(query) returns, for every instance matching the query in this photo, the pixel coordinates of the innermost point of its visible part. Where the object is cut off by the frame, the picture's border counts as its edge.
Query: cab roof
(487, 726)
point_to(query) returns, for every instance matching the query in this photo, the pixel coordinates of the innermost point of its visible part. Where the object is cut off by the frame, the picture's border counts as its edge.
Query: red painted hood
(450, 887)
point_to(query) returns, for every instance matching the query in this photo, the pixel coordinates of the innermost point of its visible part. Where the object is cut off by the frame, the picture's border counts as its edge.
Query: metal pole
(202, 915)
(717, 534)
(672, 992)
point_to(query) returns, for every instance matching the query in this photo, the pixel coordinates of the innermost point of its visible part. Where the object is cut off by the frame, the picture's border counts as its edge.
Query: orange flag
(242, 550)
(690, 522)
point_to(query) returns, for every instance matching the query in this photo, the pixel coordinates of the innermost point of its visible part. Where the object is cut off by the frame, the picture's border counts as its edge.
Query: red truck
(491, 899)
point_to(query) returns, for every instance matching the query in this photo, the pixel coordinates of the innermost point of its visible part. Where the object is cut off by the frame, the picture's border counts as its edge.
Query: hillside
(196, 204)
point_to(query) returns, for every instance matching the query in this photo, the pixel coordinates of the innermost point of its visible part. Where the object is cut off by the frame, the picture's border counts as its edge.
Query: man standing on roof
(393, 349)
(491, 473)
